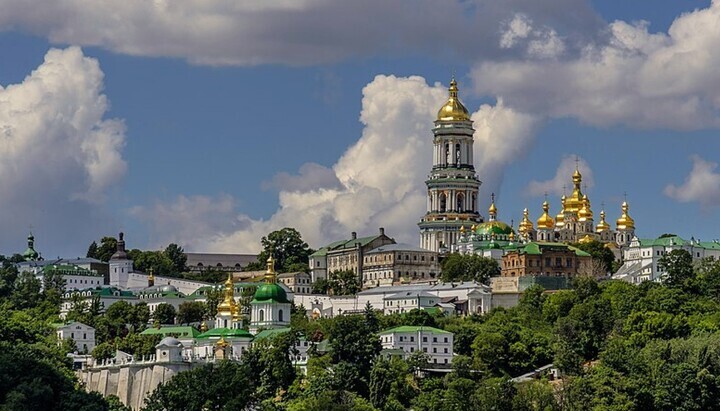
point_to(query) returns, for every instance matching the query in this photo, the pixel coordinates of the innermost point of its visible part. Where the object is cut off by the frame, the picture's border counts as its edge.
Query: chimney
(382, 231)
(353, 235)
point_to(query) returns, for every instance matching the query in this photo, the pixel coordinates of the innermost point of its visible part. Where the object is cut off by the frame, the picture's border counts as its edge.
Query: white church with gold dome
(452, 221)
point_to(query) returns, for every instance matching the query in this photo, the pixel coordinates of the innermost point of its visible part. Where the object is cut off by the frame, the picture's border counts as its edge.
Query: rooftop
(414, 329)
(397, 247)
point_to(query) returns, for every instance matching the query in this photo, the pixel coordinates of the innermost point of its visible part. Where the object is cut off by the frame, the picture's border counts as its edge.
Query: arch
(218, 265)
(280, 315)
(199, 264)
(460, 202)
(443, 202)
(261, 315)
(457, 154)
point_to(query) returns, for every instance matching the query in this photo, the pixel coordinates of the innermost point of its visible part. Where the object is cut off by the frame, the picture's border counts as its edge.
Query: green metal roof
(537, 248)
(662, 242)
(322, 252)
(180, 331)
(270, 293)
(225, 333)
(414, 329)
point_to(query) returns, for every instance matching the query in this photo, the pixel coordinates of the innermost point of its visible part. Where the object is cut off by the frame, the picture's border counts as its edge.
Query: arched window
(443, 202)
(261, 315)
(280, 315)
(460, 202)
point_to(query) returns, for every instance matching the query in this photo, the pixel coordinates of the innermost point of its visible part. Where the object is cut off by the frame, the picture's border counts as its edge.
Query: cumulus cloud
(381, 177)
(58, 155)
(230, 32)
(702, 185)
(630, 77)
(562, 181)
(542, 42)
(310, 176)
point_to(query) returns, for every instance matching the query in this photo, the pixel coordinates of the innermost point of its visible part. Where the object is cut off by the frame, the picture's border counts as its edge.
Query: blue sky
(221, 118)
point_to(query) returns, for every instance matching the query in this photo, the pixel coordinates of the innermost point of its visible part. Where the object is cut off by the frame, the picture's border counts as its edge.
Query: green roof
(225, 333)
(270, 293)
(271, 333)
(344, 244)
(493, 227)
(662, 242)
(414, 329)
(322, 252)
(537, 248)
(179, 331)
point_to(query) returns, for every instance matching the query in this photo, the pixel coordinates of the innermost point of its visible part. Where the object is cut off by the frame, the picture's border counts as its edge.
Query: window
(424, 339)
(261, 315)
(446, 340)
(412, 339)
(434, 339)
(445, 350)
(280, 315)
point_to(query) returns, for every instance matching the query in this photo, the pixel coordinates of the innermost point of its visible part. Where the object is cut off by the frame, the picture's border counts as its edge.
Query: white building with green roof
(642, 257)
(270, 307)
(436, 343)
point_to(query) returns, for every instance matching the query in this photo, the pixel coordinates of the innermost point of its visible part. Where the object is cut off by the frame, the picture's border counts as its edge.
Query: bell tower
(452, 186)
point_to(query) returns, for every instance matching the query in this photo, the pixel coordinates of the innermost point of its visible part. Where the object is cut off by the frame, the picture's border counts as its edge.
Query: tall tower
(452, 184)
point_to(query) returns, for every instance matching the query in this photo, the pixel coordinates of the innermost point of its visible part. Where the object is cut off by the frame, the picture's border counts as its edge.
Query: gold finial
(602, 225)
(545, 221)
(270, 274)
(151, 278)
(625, 221)
(462, 229)
(203, 326)
(492, 211)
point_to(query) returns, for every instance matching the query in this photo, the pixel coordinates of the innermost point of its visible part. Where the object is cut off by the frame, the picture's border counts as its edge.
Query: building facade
(436, 343)
(452, 186)
(82, 334)
(298, 283)
(394, 264)
(546, 259)
(346, 255)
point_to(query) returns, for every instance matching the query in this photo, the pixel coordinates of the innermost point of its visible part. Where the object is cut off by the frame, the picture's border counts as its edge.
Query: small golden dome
(453, 109)
(577, 177)
(492, 210)
(462, 229)
(511, 236)
(585, 213)
(545, 221)
(602, 225)
(203, 326)
(525, 225)
(228, 305)
(270, 273)
(625, 221)
(560, 217)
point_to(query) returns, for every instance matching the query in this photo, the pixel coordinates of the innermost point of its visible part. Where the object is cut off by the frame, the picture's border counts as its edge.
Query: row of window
(411, 338)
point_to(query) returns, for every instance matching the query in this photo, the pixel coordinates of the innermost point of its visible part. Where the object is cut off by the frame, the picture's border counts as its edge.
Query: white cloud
(562, 181)
(634, 77)
(381, 177)
(231, 32)
(58, 156)
(702, 185)
(310, 176)
(541, 42)
(518, 28)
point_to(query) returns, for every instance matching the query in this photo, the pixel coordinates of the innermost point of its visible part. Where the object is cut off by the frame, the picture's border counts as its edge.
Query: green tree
(223, 385)
(321, 286)
(599, 252)
(352, 342)
(177, 256)
(468, 267)
(26, 293)
(191, 312)
(108, 246)
(288, 249)
(678, 266)
(344, 282)
(156, 261)
(164, 314)
(92, 251)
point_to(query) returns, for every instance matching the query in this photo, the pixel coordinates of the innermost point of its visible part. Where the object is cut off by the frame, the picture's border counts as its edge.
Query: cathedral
(452, 221)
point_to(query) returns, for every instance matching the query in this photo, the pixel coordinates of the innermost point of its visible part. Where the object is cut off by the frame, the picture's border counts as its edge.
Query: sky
(211, 124)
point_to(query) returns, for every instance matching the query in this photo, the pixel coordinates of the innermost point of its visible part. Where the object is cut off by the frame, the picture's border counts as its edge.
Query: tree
(177, 256)
(678, 265)
(108, 246)
(321, 286)
(164, 314)
(191, 312)
(26, 293)
(92, 251)
(468, 267)
(344, 283)
(599, 253)
(53, 286)
(156, 261)
(287, 248)
(223, 385)
(354, 344)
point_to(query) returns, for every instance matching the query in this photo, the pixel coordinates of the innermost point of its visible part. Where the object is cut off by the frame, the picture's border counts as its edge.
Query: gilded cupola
(602, 225)
(525, 225)
(545, 221)
(625, 221)
(576, 200)
(453, 109)
(492, 211)
(228, 306)
(585, 213)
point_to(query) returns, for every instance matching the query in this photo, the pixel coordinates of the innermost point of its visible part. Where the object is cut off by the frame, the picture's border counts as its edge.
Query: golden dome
(511, 236)
(625, 221)
(270, 273)
(453, 109)
(545, 221)
(228, 305)
(525, 225)
(585, 213)
(203, 326)
(602, 225)
(576, 200)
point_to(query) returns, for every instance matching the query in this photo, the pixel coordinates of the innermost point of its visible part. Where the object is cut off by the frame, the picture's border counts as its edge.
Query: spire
(492, 211)
(30, 254)
(270, 275)
(602, 225)
(525, 225)
(228, 305)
